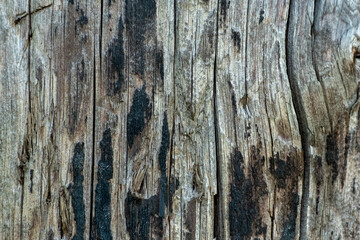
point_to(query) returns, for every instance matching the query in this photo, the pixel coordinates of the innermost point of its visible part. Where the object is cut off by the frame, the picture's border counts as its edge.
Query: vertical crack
(300, 114)
(273, 216)
(218, 221)
(26, 148)
(91, 230)
(174, 112)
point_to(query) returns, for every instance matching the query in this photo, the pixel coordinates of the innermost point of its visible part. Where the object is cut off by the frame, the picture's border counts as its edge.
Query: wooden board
(154, 119)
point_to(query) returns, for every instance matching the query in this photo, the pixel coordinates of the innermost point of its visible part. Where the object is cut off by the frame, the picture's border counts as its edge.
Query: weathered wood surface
(170, 119)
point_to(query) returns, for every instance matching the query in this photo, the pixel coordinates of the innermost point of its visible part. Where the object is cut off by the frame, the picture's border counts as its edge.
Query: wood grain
(155, 119)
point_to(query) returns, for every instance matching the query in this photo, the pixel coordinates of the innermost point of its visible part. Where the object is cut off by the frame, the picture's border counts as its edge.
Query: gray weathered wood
(156, 119)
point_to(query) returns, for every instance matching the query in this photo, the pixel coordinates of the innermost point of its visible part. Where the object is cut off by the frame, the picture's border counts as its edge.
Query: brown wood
(156, 119)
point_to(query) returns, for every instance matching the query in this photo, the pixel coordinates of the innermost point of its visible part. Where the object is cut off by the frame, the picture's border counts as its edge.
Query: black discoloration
(83, 19)
(140, 113)
(290, 224)
(332, 155)
(163, 186)
(318, 178)
(142, 213)
(261, 16)
(236, 38)
(281, 170)
(102, 192)
(233, 99)
(80, 70)
(139, 213)
(139, 18)
(353, 189)
(160, 64)
(346, 152)
(207, 41)
(77, 192)
(233, 102)
(31, 179)
(115, 62)
(224, 6)
(71, 1)
(39, 74)
(50, 235)
(244, 210)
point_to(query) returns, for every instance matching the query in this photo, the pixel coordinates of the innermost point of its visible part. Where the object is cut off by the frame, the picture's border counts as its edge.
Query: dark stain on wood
(261, 18)
(50, 235)
(290, 224)
(235, 36)
(207, 40)
(224, 6)
(353, 189)
(115, 62)
(163, 185)
(281, 169)
(83, 20)
(77, 192)
(160, 63)
(31, 179)
(139, 18)
(233, 102)
(39, 74)
(233, 98)
(332, 155)
(346, 151)
(110, 2)
(244, 209)
(139, 213)
(102, 192)
(139, 115)
(318, 179)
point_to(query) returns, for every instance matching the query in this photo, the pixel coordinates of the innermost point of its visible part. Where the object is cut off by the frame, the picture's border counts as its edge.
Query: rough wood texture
(171, 119)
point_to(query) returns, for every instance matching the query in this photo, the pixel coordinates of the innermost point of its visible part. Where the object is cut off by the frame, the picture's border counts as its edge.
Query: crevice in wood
(22, 15)
(246, 55)
(266, 106)
(24, 159)
(27, 141)
(218, 219)
(301, 116)
(244, 100)
(174, 110)
(273, 216)
(91, 229)
(169, 177)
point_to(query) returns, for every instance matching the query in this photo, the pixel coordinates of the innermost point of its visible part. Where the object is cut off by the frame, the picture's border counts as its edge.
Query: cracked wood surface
(171, 119)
